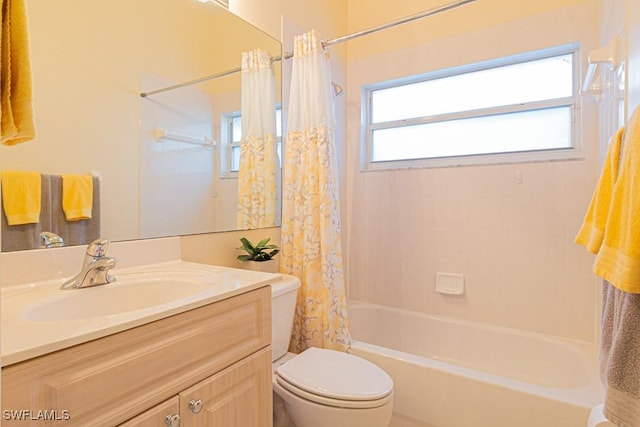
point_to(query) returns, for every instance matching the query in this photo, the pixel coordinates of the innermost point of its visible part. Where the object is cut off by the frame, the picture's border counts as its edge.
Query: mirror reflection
(162, 165)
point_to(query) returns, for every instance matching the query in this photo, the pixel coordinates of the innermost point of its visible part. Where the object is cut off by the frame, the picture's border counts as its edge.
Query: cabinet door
(165, 414)
(238, 396)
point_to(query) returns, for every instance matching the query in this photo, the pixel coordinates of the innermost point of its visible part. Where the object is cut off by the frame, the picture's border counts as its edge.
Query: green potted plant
(257, 255)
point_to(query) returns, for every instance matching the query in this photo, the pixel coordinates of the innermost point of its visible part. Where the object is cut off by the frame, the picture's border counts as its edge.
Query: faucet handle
(98, 248)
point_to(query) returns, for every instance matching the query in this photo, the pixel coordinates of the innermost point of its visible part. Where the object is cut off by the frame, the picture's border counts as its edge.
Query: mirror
(90, 62)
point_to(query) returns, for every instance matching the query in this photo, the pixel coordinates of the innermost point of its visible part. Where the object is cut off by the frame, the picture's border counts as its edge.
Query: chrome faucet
(51, 240)
(95, 267)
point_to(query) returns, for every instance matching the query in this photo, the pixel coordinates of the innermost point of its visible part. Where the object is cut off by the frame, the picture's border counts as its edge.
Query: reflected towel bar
(160, 135)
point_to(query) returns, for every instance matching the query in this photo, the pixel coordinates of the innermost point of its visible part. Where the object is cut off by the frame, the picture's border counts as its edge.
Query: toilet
(320, 387)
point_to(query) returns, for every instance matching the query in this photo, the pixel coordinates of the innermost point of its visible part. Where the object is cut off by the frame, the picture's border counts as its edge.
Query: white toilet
(320, 387)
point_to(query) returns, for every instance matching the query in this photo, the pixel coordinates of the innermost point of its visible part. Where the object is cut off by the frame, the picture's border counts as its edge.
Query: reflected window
(232, 137)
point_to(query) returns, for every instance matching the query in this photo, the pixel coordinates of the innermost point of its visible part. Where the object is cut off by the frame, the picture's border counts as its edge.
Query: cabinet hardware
(172, 420)
(196, 405)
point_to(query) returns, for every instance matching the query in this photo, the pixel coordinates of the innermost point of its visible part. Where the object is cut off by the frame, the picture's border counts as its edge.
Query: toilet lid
(336, 375)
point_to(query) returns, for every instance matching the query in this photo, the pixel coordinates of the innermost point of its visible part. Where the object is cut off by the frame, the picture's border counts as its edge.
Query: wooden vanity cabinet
(219, 354)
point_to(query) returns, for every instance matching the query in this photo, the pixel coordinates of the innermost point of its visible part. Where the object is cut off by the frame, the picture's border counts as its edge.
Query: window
(232, 137)
(512, 109)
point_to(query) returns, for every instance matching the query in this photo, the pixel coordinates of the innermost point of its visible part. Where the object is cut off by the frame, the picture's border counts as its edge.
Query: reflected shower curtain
(310, 239)
(259, 166)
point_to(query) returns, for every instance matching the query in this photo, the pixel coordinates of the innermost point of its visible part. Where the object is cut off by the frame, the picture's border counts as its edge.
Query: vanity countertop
(39, 318)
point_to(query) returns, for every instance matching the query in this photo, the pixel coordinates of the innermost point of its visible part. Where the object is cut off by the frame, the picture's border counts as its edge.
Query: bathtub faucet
(95, 267)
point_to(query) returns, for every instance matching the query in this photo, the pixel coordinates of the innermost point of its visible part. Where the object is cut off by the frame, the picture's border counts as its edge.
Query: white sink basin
(38, 318)
(130, 292)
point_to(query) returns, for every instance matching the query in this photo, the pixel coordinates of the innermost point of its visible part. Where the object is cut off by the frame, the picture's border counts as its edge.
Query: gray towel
(620, 356)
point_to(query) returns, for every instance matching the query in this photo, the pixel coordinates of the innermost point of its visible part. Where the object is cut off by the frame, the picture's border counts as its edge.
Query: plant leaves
(263, 242)
(247, 246)
(257, 252)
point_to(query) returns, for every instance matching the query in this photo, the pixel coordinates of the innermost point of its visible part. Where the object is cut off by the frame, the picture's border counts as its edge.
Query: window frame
(575, 151)
(226, 132)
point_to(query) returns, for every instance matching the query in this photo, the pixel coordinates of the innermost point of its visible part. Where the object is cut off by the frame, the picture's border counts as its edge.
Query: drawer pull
(172, 420)
(196, 405)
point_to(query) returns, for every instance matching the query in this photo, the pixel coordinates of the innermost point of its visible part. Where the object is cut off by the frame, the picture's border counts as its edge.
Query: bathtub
(451, 373)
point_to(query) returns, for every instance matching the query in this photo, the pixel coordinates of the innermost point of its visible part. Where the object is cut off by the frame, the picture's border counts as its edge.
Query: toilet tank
(283, 304)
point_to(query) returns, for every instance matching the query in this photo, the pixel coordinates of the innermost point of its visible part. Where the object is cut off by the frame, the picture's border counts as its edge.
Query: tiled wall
(512, 240)
(169, 168)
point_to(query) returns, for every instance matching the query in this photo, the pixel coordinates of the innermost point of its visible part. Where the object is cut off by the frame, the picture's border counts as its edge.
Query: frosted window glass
(542, 79)
(278, 122)
(504, 133)
(236, 129)
(235, 159)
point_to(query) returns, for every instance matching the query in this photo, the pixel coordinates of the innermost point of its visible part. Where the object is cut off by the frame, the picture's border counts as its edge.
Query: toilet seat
(336, 403)
(334, 378)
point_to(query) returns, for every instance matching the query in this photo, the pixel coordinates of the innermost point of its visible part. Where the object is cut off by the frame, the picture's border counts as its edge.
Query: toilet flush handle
(196, 405)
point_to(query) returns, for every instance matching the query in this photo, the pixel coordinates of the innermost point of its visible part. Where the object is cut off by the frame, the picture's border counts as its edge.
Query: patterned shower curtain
(258, 174)
(310, 239)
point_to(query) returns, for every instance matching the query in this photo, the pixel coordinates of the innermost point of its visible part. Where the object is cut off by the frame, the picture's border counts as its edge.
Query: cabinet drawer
(156, 416)
(108, 381)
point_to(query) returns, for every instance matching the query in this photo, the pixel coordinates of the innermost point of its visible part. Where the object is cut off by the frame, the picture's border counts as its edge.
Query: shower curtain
(310, 239)
(258, 173)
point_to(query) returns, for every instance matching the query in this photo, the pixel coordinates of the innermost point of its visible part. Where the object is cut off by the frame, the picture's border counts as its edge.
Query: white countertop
(25, 336)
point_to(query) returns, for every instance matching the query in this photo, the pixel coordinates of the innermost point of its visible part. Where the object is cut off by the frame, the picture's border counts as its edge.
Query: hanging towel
(77, 196)
(27, 236)
(74, 232)
(620, 356)
(21, 196)
(618, 260)
(16, 111)
(591, 233)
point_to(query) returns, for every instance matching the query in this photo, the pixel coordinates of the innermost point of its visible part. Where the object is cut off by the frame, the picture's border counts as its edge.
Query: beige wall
(472, 17)
(512, 241)
(220, 248)
(329, 17)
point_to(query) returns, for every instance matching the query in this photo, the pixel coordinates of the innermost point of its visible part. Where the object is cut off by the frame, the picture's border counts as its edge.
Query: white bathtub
(451, 373)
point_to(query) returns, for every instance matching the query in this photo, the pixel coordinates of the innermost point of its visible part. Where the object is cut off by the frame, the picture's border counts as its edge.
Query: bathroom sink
(130, 292)
(38, 317)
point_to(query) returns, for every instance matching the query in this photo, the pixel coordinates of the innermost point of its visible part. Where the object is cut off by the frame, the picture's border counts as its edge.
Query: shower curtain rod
(419, 15)
(325, 44)
(191, 82)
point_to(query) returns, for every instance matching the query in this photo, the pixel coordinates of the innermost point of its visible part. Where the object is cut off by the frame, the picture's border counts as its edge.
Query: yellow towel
(21, 195)
(16, 111)
(591, 233)
(618, 258)
(77, 196)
